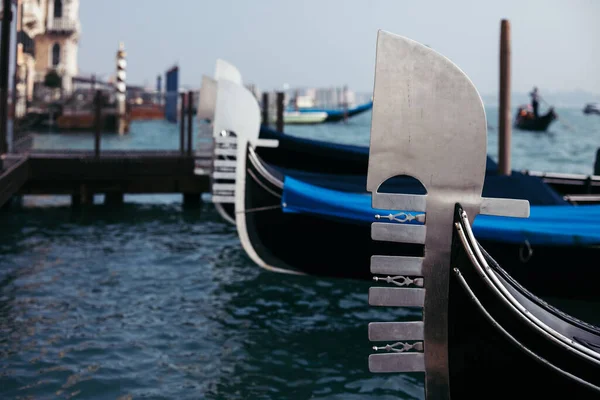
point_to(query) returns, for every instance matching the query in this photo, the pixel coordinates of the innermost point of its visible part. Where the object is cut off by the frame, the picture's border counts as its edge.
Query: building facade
(57, 46)
(48, 36)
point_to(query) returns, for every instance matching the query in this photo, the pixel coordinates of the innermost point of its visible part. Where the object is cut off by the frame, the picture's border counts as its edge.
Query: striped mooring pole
(121, 88)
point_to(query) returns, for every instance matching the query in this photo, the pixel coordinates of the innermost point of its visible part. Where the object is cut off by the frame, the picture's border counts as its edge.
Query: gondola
(283, 216)
(336, 115)
(592, 108)
(293, 117)
(280, 213)
(526, 120)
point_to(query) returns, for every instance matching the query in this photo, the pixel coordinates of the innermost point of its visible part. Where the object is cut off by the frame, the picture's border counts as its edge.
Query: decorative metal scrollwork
(402, 217)
(400, 280)
(400, 347)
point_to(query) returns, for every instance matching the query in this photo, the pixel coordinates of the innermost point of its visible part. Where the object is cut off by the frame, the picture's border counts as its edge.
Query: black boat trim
(240, 208)
(510, 337)
(501, 292)
(535, 299)
(261, 166)
(249, 171)
(586, 343)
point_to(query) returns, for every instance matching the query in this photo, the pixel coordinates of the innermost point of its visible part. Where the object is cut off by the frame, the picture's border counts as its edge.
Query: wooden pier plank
(133, 172)
(127, 172)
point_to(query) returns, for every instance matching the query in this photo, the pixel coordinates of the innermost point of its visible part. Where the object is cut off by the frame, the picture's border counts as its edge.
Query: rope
(266, 208)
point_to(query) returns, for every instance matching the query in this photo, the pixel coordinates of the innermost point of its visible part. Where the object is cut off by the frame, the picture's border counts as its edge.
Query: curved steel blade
(226, 70)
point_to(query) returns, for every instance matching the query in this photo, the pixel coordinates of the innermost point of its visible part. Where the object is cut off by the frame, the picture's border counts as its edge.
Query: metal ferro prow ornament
(236, 126)
(221, 144)
(428, 123)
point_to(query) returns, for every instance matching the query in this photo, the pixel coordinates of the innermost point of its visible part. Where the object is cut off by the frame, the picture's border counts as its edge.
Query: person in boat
(534, 101)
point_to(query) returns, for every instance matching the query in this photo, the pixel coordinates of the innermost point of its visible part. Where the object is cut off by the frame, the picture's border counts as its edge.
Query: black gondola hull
(484, 360)
(539, 124)
(335, 248)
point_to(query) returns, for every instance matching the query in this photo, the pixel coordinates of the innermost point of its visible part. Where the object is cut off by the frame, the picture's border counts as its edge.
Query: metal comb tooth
(392, 331)
(225, 152)
(399, 201)
(397, 362)
(397, 265)
(396, 297)
(223, 175)
(225, 163)
(384, 231)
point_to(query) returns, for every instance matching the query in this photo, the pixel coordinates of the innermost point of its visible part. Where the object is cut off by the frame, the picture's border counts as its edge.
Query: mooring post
(87, 196)
(279, 122)
(192, 200)
(597, 163)
(182, 125)
(265, 108)
(113, 198)
(296, 100)
(4, 60)
(121, 90)
(97, 121)
(19, 96)
(345, 100)
(190, 121)
(159, 89)
(504, 120)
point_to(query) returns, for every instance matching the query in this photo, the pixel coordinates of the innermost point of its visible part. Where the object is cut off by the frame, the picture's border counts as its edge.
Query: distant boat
(338, 114)
(301, 117)
(592, 108)
(525, 119)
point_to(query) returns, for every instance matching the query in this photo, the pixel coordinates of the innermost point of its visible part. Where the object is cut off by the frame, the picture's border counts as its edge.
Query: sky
(324, 43)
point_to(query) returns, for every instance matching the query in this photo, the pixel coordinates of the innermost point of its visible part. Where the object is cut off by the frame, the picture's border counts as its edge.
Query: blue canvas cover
(547, 225)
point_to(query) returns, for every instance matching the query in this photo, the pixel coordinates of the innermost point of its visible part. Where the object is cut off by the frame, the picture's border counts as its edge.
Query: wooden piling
(4, 61)
(113, 198)
(345, 100)
(265, 108)
(192, 200)
(75, 200)
(504, 119)
(97, 121)
(280, 106)
(182, 125)
(86, 195)
(18, 60)
(597, 163)
(190, 122)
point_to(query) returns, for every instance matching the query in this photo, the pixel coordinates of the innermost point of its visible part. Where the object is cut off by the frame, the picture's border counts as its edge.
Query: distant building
(56, 47)
(48, 35)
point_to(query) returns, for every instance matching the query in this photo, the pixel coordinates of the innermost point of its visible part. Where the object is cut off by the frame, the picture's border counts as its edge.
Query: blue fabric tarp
(548, 225)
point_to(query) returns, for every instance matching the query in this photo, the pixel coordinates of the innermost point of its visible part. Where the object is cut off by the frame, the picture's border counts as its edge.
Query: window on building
(55, 54)
(58, 8)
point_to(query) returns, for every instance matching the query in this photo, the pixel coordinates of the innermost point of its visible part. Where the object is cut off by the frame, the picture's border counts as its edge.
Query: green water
(151, 300)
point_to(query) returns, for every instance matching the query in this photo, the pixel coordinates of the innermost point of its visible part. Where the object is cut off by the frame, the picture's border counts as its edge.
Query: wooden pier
(82, 174)
(114, 173)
